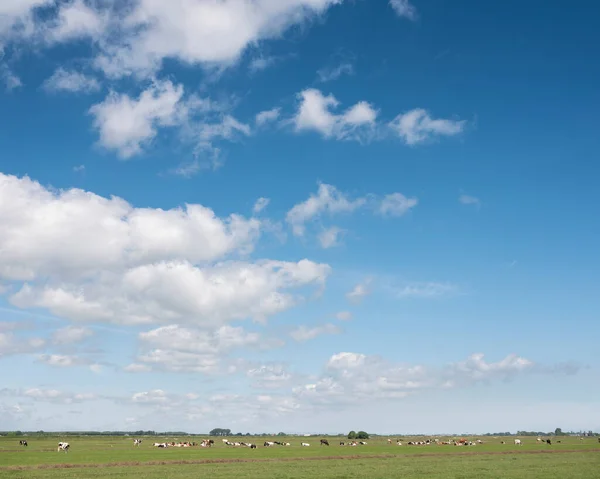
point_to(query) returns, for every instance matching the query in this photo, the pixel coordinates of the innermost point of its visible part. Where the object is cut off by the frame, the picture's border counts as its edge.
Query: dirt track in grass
(285, 459)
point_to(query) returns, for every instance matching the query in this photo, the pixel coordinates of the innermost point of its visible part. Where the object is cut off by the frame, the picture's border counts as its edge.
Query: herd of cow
(64, 446)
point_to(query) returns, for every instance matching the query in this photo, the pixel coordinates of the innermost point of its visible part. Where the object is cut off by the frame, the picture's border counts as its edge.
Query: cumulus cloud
(417, 126)
(99, 259)
(332, 201)
(126, 124)
(328, 199)
(70, 81)
(83, 233)
(315, 113)
(178, 349)
(344, 315)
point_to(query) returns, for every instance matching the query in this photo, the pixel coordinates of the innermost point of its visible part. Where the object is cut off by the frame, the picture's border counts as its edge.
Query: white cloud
(79, 168)
(355, 378)
(71, 81)
(416, 126)
(154, 396)
(267, 116)
(179, 292)
(344, 315)
(76, 20)
(404, 8)
(62, 360)
(304, 333)
(269, 376)
(199, 32)
(11, 344)
(127, 125)
(469, 200)
(359, 291)
(260, 205)
(396, 204)
(330, 237)
(314, 113)
(71, 334)
(9, 78)
(261, 63)
(426, 290)
(328, 199)
(83, 233)
(174, 348)
(330, 74)
(98, 259)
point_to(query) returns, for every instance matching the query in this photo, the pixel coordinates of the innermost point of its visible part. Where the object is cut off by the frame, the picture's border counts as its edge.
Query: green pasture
(116, 457)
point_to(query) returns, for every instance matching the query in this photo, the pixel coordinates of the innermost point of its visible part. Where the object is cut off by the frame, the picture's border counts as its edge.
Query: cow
(161, 444)
(324, 442)
(342, 443)
(63, 446)
(137, 442)
(548, 441)
(305, 444)
(23, 443)
(363, 443)
(268, 444)
(517, 442)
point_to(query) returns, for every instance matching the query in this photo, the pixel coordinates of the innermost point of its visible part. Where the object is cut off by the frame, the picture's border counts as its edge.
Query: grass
(116, 457)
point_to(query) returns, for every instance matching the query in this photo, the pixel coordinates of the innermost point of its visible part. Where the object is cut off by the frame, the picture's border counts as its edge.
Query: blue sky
(303, 215)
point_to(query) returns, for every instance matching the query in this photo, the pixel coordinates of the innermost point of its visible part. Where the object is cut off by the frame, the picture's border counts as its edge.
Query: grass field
(116, 457)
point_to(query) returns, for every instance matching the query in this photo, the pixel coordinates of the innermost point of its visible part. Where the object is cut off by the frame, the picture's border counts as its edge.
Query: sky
(308, 216)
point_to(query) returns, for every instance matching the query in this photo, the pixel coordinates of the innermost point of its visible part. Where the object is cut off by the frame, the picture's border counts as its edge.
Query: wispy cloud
(404, 8)
(327, 74)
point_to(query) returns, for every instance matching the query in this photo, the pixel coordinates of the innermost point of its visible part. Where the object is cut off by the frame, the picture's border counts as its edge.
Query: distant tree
(220, 432)
(247, 434)
(352, 435)
(558, 431)
(282, 434)
(362, 435)
(238, 434)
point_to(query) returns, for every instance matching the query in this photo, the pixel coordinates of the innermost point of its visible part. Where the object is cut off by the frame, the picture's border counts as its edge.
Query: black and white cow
(23, 443)
(137, 442)
(324, 442)
(63, 446)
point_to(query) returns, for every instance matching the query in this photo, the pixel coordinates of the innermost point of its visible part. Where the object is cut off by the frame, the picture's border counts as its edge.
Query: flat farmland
(116, 457)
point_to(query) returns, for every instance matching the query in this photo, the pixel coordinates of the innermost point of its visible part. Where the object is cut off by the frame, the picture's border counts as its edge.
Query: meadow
(116, 457)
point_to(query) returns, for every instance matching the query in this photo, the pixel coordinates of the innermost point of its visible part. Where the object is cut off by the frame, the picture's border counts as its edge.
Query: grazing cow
(137, 442)
(517, 442)
(63, 446)
(269, 444)
(389, 441)
(548, 441)
(363, 443)
(305, 444)
(324, 441)
(399, 443)
(342, 443)
(23, 443)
